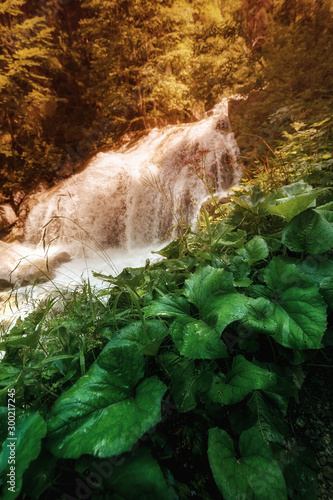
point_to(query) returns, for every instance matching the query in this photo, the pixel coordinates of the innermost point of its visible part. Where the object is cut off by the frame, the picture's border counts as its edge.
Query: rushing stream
(105, 218)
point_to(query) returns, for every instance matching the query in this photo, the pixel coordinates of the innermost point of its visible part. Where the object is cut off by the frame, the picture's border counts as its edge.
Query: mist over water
(104, 218)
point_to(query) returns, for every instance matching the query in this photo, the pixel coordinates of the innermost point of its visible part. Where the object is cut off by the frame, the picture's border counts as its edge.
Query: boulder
(18, 197)
(36, 269)
(7, 217)
(16, 234)
(16, 270)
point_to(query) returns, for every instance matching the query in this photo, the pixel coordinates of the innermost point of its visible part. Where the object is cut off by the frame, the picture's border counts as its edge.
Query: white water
(105, 219)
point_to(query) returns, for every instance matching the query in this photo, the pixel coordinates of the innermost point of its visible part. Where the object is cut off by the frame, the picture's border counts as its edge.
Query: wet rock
(7, 217)
(18, 197)
(15, 235)
(223, 125)
(3, 199)
(4, 284)
(25, 269)
(36, 269)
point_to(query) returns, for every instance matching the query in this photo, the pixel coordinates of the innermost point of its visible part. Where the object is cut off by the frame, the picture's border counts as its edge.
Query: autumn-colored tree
(76, 74)
(27, 97)
(138, 57)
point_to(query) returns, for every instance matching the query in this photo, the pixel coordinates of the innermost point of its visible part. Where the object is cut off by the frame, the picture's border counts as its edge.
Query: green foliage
(206, 344)
(241, 380)
(254, 475)
(29, 431)
(139, 476)
(79, 421)
(310, 231)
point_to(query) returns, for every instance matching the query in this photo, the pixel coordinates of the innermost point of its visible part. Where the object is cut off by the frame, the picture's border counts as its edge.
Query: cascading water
(110, 203)
(108, 206)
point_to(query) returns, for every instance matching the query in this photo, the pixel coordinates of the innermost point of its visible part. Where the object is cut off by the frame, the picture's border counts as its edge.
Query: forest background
(76, 75)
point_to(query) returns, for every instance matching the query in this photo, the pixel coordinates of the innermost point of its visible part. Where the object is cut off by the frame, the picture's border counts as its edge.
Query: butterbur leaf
(205, 282)
(261, 316)
(327, 214)
(172, 251)
(308, 232)
(254, 476)
(107, 410)
(213, 293)
(289, 208)
(234, 240)
(197, 340)
(187, 382)
(240, 270)
(255, 201)
(295, 189)
(273, 244)
(179, 264)
(326, 290)
(220, 311)
(316, 267)
(299, 309)
(243, 378)
(29, 433)
(168, 307)
(254, 251)
(139, 476)
(148, 338)
(268, 412)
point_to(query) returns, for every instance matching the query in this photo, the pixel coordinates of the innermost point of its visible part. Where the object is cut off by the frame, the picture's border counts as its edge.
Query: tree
(138, 57)
(26, 95)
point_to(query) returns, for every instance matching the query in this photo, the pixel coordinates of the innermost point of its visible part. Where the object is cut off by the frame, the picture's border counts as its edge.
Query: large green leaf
(188, 382)
(255, 250)
(255, 200)
(268, 415)
(29, 432)
(295, 189)
(254, 476)
(205, 282)
(138, 477)
(310, 232)
(233, 239)
(299, 310)
(242, 379)
(240, 270)
(197, 340)
(292, 206)
(214, 294)
(316, 267)
(326, 290)
(148, 337)
(261, 316)
(168, 307)
(107, 410)
(220, 311)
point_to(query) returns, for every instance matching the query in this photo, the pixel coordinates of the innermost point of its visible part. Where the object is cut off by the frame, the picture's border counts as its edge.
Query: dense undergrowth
(174, 380)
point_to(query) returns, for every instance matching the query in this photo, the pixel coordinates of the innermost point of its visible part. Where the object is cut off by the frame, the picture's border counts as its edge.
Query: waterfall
(108, 205)
(109, 202)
